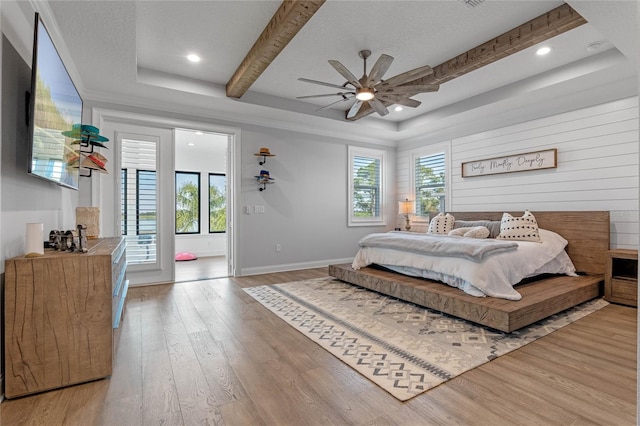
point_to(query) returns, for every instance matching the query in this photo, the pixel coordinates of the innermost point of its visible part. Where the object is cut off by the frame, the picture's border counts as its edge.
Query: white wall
(306, 207)
(208, 154)
(597, 167)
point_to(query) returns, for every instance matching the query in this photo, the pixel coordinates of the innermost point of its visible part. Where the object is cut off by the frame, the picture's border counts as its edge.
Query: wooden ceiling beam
(555, 22)
(288, 20)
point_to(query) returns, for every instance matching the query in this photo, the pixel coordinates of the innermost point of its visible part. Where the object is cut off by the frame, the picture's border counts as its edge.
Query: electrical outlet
(258, 209)
(278, 248)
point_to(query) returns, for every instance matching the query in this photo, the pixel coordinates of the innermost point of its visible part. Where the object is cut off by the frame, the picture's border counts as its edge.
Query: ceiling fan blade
(379, 107)
(379, 68)
(345, 73)
(354, 109)
(400, 100)
(406, 77)
(333, 103)
(322, 83)
(328, 94)
(409, 90)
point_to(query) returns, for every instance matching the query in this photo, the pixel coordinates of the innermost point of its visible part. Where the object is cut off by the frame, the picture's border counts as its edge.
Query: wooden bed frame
(588, 236)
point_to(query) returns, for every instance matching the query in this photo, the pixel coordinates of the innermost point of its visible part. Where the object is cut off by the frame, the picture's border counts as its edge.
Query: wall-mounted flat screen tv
(54, 107)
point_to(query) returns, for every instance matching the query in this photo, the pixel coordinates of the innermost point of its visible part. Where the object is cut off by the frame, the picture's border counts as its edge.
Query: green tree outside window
(217, 203)
(187, 203)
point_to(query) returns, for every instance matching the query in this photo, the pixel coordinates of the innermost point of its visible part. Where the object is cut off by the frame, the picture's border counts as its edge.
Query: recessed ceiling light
(199, 133)
(193, 57)
(595, 46)
(543, 51)
(398, 108)
(191, 144)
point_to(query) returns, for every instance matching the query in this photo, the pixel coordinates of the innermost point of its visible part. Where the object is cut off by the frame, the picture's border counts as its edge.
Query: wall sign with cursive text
(547, 159)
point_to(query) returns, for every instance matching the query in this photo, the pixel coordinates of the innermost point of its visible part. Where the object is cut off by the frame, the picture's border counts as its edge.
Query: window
(187, 203)
(365, 187)
(139, 200)
(429, 173)
(217, 203)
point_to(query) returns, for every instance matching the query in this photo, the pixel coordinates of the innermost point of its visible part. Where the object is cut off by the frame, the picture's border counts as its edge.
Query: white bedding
(494, 277)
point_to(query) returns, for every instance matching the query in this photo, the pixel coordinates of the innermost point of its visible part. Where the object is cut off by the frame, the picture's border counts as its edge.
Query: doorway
(201, 201)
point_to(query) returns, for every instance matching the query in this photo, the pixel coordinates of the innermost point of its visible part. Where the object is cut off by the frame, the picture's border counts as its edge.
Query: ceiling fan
(371, 89)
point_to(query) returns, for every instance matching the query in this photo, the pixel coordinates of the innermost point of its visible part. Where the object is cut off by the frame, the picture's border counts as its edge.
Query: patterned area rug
(401, 347)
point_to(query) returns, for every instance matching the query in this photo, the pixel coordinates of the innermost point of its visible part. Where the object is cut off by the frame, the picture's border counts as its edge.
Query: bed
(587, 234)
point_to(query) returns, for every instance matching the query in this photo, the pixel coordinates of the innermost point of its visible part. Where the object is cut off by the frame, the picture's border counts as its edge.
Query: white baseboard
(216, 253)
(291, 266)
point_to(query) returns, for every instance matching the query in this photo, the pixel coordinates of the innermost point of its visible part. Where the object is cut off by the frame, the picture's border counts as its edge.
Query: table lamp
(406, 208)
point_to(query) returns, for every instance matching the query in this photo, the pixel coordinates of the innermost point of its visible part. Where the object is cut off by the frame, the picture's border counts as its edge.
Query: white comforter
(495, 276)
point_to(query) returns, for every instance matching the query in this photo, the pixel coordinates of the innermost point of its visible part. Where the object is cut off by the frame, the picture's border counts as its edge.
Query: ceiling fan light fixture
(364, 94)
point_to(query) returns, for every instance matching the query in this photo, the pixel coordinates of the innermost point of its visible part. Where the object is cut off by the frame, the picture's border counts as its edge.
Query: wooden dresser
(62, 312)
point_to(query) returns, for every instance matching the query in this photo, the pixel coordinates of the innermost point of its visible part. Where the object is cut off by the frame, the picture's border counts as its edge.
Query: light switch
(258, 209)
(247, 209)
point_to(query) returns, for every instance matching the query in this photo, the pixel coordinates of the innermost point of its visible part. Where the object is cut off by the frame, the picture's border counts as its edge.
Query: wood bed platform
(588, 237)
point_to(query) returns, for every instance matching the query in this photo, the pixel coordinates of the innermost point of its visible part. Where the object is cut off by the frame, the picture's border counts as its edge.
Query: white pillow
(471, 232)
(523, 228)
(441, 224)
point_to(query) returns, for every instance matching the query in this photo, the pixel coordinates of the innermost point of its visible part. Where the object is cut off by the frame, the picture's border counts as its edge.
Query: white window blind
(139, 200)
(429, 178)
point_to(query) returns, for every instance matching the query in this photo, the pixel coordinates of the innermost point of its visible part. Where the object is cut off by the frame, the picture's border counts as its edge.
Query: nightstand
(621, 277)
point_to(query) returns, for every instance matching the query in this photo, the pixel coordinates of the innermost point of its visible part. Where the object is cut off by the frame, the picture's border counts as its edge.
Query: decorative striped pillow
(523, 228)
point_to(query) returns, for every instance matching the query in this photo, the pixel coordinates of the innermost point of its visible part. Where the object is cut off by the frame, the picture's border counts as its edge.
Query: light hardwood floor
(206, 353)
(202, 268)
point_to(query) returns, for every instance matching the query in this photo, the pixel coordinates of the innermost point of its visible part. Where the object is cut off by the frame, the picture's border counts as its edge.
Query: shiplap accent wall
(598, 163)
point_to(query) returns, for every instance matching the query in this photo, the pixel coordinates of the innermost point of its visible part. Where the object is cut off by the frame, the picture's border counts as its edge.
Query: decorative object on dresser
(62, 313)
(34, 244)
(621, 277)
(90, 218)
(69, 241)
(406, 208)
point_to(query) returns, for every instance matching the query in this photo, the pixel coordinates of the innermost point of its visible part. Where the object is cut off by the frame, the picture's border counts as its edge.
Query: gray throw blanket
(438, 245)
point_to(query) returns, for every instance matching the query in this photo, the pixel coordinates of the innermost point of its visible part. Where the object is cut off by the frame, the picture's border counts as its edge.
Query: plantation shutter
(430, 184)
(139, 200)
(123, 201)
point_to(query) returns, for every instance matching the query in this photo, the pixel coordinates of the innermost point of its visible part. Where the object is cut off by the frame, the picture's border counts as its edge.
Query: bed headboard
(586, 231)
